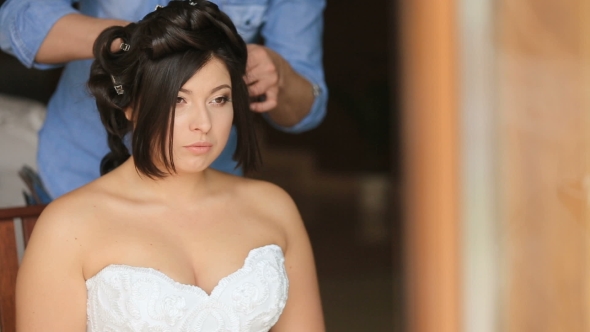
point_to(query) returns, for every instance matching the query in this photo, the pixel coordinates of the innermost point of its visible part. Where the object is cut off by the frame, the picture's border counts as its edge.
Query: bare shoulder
(71, 206)
(71, 216)
(268, 198)
(52, 267)
(273, 206)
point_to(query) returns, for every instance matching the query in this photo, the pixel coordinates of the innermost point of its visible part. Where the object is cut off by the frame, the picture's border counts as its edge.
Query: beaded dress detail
(134, 299)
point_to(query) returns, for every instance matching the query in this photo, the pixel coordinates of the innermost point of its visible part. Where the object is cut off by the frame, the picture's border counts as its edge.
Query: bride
(161, 242)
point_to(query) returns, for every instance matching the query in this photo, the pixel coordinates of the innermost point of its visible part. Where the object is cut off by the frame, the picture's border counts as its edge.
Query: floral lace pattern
(134, 299)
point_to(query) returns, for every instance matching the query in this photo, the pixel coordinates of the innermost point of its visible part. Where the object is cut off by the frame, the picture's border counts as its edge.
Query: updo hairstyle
(165, 49)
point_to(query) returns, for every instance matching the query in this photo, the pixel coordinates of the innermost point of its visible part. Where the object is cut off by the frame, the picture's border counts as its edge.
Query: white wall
(20, 120)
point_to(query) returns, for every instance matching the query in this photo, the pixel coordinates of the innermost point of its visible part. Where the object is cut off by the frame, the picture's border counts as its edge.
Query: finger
(252, 47)
(269, 104)
(260, 64)
(255, 55)
(260, 72)
(258, 88)
(258, 99)
(249, 79)
(254, 74)
(116, 45)
(264, 106)
(264, 81)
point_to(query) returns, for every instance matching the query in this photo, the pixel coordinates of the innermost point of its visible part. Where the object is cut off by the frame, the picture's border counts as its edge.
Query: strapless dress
(126, 298)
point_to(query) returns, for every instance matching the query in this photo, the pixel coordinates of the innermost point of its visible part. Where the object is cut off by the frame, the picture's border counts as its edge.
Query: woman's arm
(51, 290)
(303, 311)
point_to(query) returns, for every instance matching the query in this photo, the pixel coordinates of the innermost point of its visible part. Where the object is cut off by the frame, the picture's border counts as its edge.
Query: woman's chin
(191, 168)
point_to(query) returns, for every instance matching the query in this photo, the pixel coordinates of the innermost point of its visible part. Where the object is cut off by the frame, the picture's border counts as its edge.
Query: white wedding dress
(126, 298)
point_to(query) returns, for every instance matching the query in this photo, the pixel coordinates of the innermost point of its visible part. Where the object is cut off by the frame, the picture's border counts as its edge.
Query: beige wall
(544, 172)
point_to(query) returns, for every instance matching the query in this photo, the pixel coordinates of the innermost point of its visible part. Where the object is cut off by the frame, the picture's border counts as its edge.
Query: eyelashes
(217, 101)
(222, 100)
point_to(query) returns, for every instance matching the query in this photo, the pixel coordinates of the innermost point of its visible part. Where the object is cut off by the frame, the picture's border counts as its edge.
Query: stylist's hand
(264, 74)
(116, 45)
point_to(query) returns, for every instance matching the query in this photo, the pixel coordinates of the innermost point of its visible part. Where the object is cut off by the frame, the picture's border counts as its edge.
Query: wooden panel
(9, 258)
(28, 214)
(8, 266)
(430, 156)
(28, 225)
(544, 156)
(585, 43)
(22, 212)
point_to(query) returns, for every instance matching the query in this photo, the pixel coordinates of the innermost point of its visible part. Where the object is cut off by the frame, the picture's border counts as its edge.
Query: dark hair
(166, 48)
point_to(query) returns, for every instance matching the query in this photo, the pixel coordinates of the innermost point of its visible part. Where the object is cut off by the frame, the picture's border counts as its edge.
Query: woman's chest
(197, 250)
(130, 298)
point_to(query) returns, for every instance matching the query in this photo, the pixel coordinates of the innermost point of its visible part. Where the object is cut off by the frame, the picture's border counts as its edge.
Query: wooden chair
(16, 225)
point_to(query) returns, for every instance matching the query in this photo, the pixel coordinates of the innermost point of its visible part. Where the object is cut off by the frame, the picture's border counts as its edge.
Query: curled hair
(167, 47)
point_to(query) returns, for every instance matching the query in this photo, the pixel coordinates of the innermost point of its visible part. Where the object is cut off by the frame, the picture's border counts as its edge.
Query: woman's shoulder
(64, 228)
(74, 210)
(273, 204)
(258, 194)
(263, 193)
(266, 200)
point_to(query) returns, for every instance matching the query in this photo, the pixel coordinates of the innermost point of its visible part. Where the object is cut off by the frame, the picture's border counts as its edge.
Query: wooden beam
(430, 158)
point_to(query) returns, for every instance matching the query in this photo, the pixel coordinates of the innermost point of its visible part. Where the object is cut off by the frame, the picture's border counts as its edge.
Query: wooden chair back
(16, 226)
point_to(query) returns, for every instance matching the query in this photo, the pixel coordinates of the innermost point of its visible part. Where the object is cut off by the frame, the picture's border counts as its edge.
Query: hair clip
(192, 3)
(158, 7)
(124, 47)
(118, 87)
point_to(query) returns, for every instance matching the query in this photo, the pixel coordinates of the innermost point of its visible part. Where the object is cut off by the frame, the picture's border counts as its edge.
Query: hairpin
(124, 47)
(118, 87)
(158, 7)
(192, 3)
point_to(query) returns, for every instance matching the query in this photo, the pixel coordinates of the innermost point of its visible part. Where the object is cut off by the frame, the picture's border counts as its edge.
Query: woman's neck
(175, 187)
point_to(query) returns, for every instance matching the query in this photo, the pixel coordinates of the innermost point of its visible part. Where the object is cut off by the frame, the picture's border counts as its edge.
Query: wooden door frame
(430, 135)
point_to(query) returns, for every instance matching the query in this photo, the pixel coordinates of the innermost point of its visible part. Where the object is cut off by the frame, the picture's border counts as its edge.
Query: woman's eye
(179, 100)
(221, 100)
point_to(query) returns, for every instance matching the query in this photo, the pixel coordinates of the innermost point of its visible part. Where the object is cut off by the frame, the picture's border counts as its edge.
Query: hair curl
(167, 47)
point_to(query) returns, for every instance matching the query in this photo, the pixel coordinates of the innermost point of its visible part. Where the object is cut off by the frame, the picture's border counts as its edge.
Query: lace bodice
(126, 298)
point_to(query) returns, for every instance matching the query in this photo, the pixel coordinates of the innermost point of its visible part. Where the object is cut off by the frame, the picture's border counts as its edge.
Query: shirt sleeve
(294, 29)
(24, 24)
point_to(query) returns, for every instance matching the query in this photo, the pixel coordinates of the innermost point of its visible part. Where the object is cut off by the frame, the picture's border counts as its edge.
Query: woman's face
(203, 118)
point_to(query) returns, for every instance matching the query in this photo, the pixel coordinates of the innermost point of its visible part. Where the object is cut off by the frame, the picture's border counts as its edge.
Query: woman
(161, 242)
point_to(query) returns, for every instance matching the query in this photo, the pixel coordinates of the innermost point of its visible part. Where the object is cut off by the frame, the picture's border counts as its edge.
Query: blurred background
(448, 188)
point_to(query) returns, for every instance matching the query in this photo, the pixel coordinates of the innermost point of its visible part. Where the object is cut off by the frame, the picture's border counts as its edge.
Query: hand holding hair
(264, 74)
(275, 87)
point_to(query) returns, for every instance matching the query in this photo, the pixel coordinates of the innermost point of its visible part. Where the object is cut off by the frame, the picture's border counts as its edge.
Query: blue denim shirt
(72, 140)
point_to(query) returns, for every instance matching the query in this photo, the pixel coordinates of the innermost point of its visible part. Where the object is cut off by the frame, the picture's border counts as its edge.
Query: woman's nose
(200, 119)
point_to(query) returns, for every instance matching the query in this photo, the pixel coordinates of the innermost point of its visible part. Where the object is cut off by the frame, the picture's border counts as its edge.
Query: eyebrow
(223, 86)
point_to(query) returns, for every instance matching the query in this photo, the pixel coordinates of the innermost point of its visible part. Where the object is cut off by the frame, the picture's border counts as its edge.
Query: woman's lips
(199, 147)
